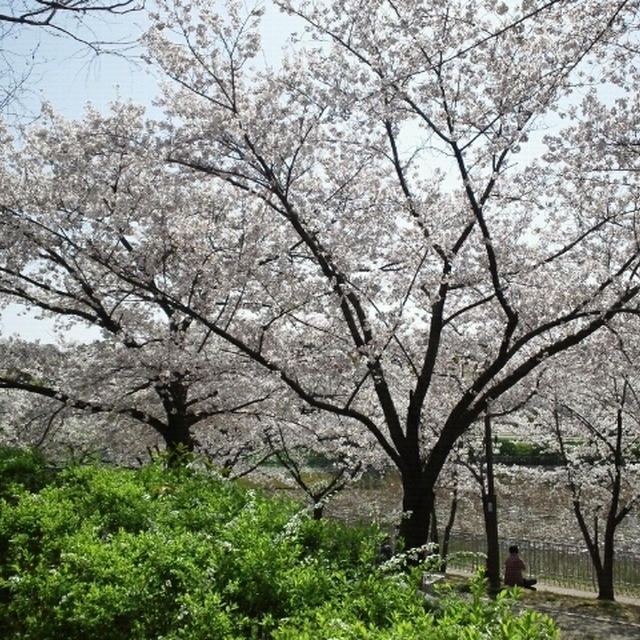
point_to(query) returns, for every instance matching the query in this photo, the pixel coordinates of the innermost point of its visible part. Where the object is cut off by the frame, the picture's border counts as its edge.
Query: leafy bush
(22, 469)
(180, 554)
(384, 613)
(331, 540)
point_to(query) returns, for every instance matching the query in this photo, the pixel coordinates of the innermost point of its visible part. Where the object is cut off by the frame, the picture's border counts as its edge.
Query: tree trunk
(605, 575)
(493, 549)
(603, 565)
(605, 578)
(177, 436)
(614, 518)
(489, 507)
(417, 506)
(592, 544)
(178, 440)
(419, 478)
(446, 537)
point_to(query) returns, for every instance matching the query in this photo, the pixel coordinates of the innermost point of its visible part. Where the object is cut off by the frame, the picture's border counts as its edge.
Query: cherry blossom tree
(413, 216)
(593, 415)
(186, 407)
(380, 226)
(63, 433)
(87, 212)
(341, 452)
(83, 198)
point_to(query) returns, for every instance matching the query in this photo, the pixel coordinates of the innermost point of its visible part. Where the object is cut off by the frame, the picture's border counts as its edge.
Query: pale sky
(68, 74)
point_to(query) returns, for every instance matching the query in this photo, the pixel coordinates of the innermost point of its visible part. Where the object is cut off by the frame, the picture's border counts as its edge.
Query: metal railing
(556, 564)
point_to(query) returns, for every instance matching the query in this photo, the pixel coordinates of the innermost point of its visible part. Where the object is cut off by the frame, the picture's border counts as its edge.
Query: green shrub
(179, 554)
(22, 469)
(349, 546)
(388, 611)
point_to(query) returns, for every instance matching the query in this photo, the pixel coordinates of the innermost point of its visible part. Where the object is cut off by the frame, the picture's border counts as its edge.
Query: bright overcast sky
(68, 74)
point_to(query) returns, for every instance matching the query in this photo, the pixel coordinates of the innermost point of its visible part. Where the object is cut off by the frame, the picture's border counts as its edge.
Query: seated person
(513, 568)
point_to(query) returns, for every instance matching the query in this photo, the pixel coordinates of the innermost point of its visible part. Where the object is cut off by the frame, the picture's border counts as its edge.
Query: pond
(536, 507)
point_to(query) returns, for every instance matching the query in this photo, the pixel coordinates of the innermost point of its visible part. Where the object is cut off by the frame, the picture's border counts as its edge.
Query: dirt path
(582, 626)
(579, 616)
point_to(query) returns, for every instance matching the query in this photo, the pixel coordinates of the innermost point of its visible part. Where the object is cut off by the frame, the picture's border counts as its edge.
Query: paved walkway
(584, 619)
(587, 595)
(564, 591)
(585, 622)
(582, 626)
